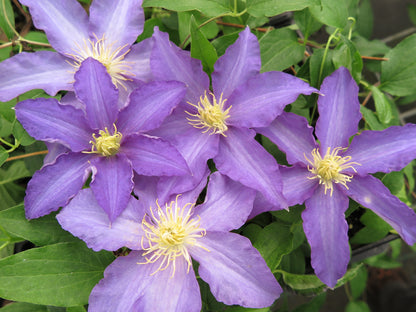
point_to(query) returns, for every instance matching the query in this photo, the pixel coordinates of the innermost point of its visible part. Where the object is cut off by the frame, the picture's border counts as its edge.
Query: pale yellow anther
(108, 54)
(329, 168)
(106, 144)
(211, 116)
(168, 233)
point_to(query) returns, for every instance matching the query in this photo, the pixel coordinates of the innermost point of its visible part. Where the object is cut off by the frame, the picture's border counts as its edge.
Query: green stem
(7, 19)
(348, 292)
(352, 26)
(6, 143)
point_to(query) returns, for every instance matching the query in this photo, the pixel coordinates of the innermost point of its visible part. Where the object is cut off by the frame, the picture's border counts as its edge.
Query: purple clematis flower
(324, 176)
(106, 35)
(164, 237)
(217, 124)
(103, 139)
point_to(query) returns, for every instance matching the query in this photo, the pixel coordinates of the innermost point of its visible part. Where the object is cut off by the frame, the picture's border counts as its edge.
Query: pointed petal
(40, 70)
(121, 22)
(235, 270)
(54, 150)
(47, 120)
(129, 286)
(227, 204)
(169, 62)
(339, 110)
(145, 189)
(293, 135)
(153, 156)
(55, 184)
(371, 193)
(139, 60)
(243, 159)
(112, 184)
(84, 218)
(383, 151)
(259, 100)
(65, 22)
(93, 87)
(297, 185)
(149, 105)
(240, 62)
(326, 230)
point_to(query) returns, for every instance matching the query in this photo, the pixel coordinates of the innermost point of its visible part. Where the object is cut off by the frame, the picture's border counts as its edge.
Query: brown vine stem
(27, 155)
(260, 29)
(374, 58)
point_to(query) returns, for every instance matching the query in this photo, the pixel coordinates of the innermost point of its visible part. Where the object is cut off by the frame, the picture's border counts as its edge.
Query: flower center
(211, 115)
(329, 169)
(111, 56)
(168, 233)
(106, 144)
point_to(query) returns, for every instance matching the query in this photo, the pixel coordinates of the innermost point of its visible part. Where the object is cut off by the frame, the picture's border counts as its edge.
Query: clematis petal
(169, 62)
(139, 60)
(227, 205)
(64, 22)
(153, 156)
(293, 135)
(55, 184)
(113, 183)
(39, 70)
(149, 105)
(145, 189)
(47, 120)
(129, 286)
(339, 110)
(93, 87)
(243, 159)
(297, 187)
(84, 218)
(383, 151)
(326, 230)
(259, 100)
(235, 270)
(121, 22)
(240, 62)
(54, 150)
(371, 193)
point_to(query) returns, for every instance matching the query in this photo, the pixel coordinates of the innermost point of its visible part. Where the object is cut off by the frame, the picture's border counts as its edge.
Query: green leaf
(359, 283)
(374, 230)
(202, 49)
(149, 26)
(76, 309)
(371, 119)
(274, 241)
(6, 11)
(209, 30)
(394, 181)
(411, 10)
(383, 107)
(280, 49)
(398, 73)
(60, 275)
(357, 306)
(24, 307)
(222, 43)
(11, 193)
(332, 13)
(307, 23)
(41, 231)
(275, 7)
(370, 48)
(20, 134)
(347, 55)
(315, 66)
(3, 155)
(208, 7)
(365, 19)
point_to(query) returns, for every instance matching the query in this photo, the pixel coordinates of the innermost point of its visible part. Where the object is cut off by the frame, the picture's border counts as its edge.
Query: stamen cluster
(329, 169)
(211, 115)
(168, 233)
(106, 144)
(108, 55)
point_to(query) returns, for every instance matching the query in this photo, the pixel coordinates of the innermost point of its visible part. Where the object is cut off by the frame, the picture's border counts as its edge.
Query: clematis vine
(324, 175)
(216, 124)
(105, 140)
(106, 35)
(164, 237)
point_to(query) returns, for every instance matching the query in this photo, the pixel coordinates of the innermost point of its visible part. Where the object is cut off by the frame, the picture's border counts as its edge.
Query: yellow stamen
(210, 115)
(108, 54)
(168, 233)
(106, 144)
(329, 169)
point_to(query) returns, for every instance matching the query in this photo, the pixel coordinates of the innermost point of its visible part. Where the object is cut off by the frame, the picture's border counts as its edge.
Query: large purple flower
(324, 176)
(217, 124)
(102, 139)
(107, 35)
(164, 237)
